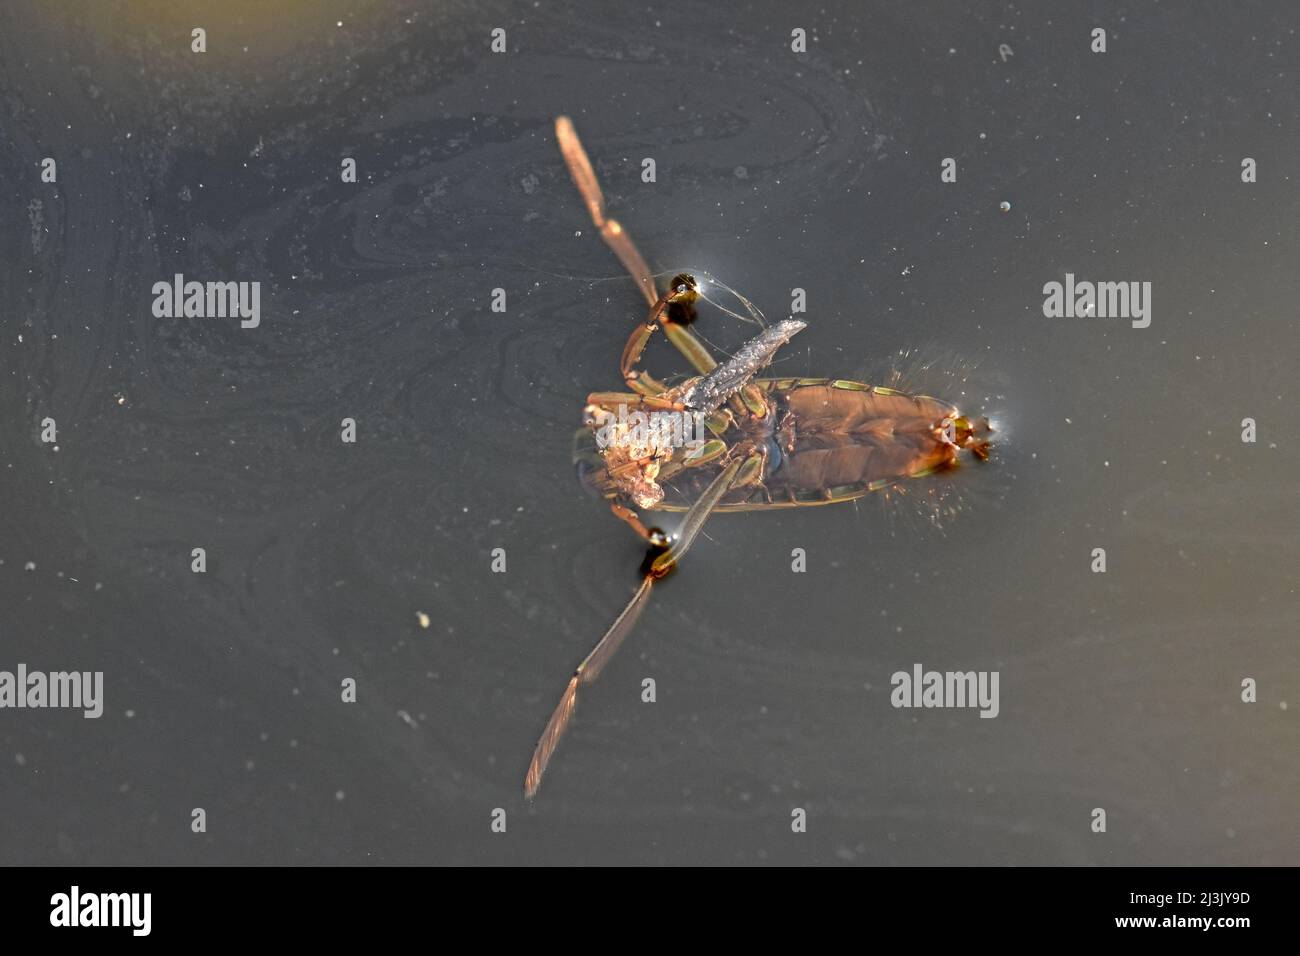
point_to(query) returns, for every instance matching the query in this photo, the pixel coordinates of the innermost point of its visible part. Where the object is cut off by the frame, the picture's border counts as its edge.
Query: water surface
(774, 171)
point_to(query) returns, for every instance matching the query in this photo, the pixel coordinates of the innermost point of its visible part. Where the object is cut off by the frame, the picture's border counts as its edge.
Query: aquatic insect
(754, 443)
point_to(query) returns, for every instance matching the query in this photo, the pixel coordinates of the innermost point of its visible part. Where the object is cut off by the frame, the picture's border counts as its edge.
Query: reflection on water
(774, 171)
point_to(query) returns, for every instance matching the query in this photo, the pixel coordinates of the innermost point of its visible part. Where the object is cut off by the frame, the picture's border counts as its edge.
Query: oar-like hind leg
(616, 237)
(594, 662)
(584, 177)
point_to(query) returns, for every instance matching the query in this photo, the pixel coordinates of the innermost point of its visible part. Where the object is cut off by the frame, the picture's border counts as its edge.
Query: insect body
(725, 440)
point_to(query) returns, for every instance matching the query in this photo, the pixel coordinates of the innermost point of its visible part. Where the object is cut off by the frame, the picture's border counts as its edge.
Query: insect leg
(610, 401)
(594, 662)
(695, 518)
(584, 177)
(751, 472)
(653, 536)
(616, 237)
(635, 378)
(683, 292)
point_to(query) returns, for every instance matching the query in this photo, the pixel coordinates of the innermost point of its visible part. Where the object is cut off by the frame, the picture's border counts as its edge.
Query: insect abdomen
(849, 434)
